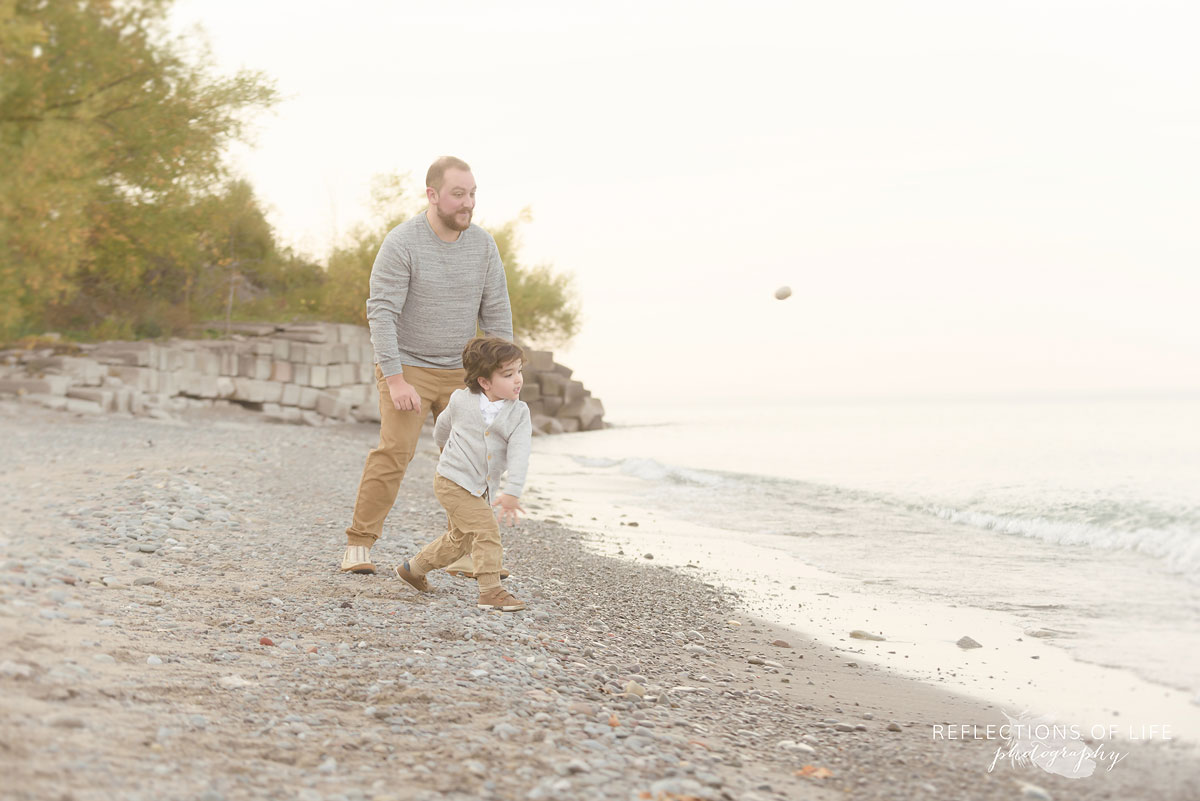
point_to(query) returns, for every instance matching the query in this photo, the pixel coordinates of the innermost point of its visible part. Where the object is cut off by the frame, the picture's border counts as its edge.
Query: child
(484, 429)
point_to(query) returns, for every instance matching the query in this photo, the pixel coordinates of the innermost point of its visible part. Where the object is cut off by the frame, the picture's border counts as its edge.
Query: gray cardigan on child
(475, 456)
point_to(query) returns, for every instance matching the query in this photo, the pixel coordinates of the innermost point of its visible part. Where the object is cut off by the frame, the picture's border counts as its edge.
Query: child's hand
(509, 506)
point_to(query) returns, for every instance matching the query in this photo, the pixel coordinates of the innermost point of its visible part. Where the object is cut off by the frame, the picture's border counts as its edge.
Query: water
(1077, 519)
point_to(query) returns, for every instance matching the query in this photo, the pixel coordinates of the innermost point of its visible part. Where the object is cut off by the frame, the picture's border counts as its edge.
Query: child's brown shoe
(415, 581)
(499, 599)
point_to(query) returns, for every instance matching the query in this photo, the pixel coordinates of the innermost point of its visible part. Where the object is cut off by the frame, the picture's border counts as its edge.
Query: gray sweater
(427, 296)
(475, 456)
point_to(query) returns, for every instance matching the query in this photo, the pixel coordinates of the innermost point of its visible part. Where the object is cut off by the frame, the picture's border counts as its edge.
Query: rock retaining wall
(310, 373)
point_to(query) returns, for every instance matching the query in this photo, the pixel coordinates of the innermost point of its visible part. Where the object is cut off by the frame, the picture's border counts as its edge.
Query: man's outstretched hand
(509, 505)
(404, 395)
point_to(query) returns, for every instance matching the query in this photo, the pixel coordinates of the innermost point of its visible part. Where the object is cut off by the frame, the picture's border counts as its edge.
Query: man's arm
(389, 289)
(495, 313)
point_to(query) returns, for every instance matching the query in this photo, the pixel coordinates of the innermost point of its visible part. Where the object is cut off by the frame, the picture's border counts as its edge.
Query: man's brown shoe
(499, 599)
(415, 581)
(357, 559)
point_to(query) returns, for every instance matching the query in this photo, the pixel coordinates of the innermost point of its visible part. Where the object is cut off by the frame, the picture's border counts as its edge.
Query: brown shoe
(499, 599)
(415, 581)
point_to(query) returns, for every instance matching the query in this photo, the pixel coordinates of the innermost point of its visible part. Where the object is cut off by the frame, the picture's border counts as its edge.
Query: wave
(1178, 546)
(652, 470)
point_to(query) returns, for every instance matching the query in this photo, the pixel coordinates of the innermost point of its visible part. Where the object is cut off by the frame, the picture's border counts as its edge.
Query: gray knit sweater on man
(475, 455)
(428, 295)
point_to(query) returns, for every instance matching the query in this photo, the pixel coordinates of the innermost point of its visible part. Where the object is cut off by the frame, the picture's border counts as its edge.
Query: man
(435, 277)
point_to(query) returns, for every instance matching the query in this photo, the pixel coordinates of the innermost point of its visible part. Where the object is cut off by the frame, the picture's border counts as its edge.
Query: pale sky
(965, 197)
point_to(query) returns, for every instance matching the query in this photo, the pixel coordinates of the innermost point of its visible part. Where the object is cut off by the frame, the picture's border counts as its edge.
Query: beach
(174, 626)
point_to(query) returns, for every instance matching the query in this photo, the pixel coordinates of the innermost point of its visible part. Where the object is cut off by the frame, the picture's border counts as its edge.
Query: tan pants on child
(472, 529)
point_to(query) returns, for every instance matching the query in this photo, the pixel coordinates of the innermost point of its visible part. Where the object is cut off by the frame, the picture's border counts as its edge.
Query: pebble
(967, 642)
(153, 660)
(859, 634)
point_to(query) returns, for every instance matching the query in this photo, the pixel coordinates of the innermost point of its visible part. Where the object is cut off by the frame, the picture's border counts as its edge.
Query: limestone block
(309, 332)
(102, 397)
(341, 352)
(48, 385)
(134, 354)
(55, 402)
(563, 370)
(122, 400)
(585, 410)
(551, 405)
(330, 405)
(361, 394)
(229, 362)
(531, 392)
(168, 384)
(302, 374)
(367, 413)
(366, 372)
(318, 376)
(308, 397)
(250, 390)
(366, 353)
(312, 419)
(77, 406)
(167, 359)
(540, 361)
(281, 371)
(298, 352)
(353, 334)
(272, 409)
(263, 348)
(552, 384)
(250, 366)
(536, 407)
(333, 375)
(596, 424)
(328, 354)
(81, 370)
(282, 350)
(225, 386)
(199, 385)
(569, 424)
(137, 401)
(573, 391)
(207, 362)
(291, 395)
(272, 391)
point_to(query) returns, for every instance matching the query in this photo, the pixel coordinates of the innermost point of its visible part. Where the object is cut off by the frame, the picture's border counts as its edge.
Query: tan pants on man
(398, 435)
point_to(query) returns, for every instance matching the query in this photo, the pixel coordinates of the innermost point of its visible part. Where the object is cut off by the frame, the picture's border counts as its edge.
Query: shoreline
(1015, 669)
(139, 671)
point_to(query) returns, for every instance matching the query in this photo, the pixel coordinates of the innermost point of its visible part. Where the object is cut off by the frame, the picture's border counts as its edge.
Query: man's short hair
(485, 355)
(437, 171)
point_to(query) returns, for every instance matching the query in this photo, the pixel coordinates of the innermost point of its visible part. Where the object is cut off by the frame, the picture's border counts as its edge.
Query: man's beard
(451, 220)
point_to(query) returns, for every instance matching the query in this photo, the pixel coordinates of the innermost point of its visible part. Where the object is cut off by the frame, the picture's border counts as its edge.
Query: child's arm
(441, 427)
(519, 444)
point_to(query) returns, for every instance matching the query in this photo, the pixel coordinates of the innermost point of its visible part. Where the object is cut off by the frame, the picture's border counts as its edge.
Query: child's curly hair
(485, 355)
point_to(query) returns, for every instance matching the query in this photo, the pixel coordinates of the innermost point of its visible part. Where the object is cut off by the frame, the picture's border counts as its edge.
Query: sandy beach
(173, 626)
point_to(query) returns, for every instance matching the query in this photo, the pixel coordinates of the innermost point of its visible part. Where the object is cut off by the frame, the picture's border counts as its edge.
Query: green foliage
(109, 141)
(117, 215)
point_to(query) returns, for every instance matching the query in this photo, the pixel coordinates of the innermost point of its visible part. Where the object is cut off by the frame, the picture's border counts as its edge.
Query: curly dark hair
(485, 355)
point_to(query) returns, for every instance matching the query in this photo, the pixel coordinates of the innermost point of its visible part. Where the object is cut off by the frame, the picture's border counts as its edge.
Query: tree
(109, 135)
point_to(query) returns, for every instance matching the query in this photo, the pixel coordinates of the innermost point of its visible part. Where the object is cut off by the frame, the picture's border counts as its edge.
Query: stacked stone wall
(310, 373)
